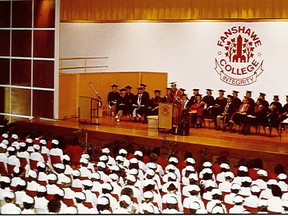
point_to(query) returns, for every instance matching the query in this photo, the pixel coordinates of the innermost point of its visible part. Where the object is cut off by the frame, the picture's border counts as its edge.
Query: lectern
(88, 110)
(165, 115)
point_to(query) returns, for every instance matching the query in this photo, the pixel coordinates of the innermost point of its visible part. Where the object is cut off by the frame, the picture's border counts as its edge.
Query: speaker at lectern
(88, 109)
(165, 115)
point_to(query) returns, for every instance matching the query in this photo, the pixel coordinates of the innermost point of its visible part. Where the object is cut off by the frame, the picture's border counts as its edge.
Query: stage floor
(262, 142)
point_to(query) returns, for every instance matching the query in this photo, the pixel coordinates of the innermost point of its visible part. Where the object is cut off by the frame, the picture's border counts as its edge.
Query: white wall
(187, 51)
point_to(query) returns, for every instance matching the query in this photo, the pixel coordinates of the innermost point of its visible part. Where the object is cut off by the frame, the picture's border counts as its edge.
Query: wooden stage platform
(202, 142)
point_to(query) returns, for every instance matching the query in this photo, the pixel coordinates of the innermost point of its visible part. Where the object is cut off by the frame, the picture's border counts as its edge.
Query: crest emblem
(239, 58)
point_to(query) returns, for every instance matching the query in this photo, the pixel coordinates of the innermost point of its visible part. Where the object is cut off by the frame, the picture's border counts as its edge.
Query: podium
(89, 110)
(165, 115)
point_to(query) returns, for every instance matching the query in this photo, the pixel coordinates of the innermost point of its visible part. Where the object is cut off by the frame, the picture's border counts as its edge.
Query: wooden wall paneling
(154, 81)
(68, 95)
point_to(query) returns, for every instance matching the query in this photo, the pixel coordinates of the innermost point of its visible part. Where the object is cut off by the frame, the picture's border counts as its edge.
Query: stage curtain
(171, 10)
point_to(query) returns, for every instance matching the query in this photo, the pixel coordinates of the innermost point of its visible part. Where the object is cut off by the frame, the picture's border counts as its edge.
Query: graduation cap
(286, 96)
(199, 95)
(209, 90)
(128, 87)
(144, 85)
(157, 91)
(234, 91)
(276, 96)
(182, 89)
(262, 94)
(140, 88)
(184, 94)
(168, 88)
(249, 92)
(123, 89)
(114, 85)
(172, 83)
(195, 89)
(221, 90)
(230, 96)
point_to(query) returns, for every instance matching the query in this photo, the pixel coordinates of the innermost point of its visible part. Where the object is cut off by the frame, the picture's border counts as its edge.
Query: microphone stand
(98, 101)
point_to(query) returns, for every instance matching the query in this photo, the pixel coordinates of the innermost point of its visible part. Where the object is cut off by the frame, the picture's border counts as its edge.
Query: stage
(211, 143)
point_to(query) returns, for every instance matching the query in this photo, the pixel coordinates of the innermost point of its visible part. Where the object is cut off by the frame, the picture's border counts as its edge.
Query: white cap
(171, 200)
(271, 182)
(190, 160)
(238, 199)
(134, 160)
(76, 173)
(21, 182)
(103, 200)
(285, 203)
(113, 177)
(6, 142)
(95, 175)
(119, 158)
(106, 150)
(86, 156)
(60, 192)
(148, 195)
(255, 189)
(43, 142)
(101, 164)
(150, 172)
(235, 186)
(103, 158)
(262, 202)
(173, 160)
(229, 174)
(59, 166)
(107, 186)
(28, 199)
(55, 142)
(122, 151)
(66, 157)
(2, 145)
(41, 188)
(243, 168)
(193, 176)
(51, 177)
(36, 147)
(216, 191)
(32, 173)
(80, 195)
(170, 167)
(22, 144)
(87, 183)
(9, 194)
(194, 205)
(131, 178)
(14, 136)
(84, 161)
(224, 166)
(246, 179)
(16, 169)
(148, 182)
(207, 164)
(193, 188)
(139, 153)
(65, 179)
(262, 172)
(148, 208)
(5, 135)
(217, 210)
(114, 168)
(29, 140)
(207, 170)
(210, 183)
(282, 176)
(190, 168)
(152, 165)
(11, 149)
(126, 199)
(133, 171)
(5, 179)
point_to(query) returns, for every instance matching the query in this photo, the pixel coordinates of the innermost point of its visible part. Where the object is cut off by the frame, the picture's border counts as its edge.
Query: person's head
(9, 197)
(172, 203)
(128, 88)
(54, 206)
(28, 202)
(114, 87)
(248, 94)
(143, 86)
(195, 91)
(276, 98)
(229, 98)
(41, 191)
(140, 90)
(221, 92)
(262, 95)
(173, 86)
(128, 192)
(279, 168)
(259, 102)
(235, 93)
(245, 100)
(209, 92)
(198, 97)
(122, 92)
(276, 191)
(148, 196)
(157, 93)
(103, 204)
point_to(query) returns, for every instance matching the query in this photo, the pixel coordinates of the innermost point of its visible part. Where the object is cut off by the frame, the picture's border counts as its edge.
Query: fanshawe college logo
(239, 58)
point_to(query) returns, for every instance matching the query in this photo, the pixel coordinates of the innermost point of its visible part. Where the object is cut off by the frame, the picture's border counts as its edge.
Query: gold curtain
(171, 10)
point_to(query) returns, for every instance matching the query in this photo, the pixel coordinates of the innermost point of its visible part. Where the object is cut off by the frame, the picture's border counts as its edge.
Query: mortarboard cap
(234, 91)
(142, 84)
(249, 92)
(173, 83)
(172, 200)
(123, 89)
(114, 85)
(5, 136)
(195, 89)
(262, 94)
(221, 90)
(128, 87)
(103, 201)
(139, 153)
(182, 89)
(80, 195)
(168, 88)
(209, 90)
(157, 91)
(276, 96)
(140, 88)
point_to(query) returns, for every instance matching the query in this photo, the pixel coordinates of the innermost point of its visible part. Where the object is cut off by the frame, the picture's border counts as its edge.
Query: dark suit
(143, 101)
